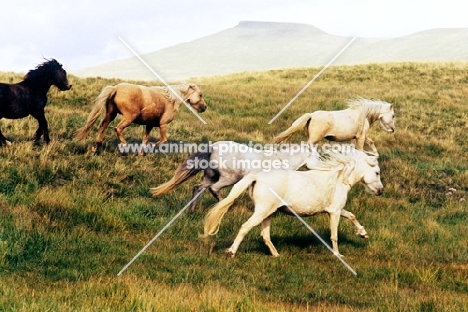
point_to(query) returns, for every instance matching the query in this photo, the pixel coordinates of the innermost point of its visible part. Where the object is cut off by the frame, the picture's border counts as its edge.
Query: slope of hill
(253, 46)
(70, 221)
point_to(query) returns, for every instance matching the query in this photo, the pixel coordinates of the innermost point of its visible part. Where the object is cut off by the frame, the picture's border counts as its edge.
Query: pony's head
(50, 72)
(194, 97)
(371, 174)
(387, 117)
(356, 166)
(375, 109)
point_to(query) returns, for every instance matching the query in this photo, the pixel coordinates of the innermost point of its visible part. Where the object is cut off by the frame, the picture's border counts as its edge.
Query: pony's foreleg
(258, 216)
(266, 236)
(359, 228)
(371, 145)
(43, 129)
(4, 140)
(163, 133)
(360, 143)
(334, 221)
(148, 129)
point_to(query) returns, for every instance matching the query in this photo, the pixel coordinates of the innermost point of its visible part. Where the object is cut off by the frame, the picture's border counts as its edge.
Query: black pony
(29, 97)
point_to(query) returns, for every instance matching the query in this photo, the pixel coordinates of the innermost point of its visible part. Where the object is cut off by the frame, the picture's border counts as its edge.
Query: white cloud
(85, 33)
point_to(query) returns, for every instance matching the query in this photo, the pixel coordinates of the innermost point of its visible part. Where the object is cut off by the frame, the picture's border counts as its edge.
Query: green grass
(71, 221)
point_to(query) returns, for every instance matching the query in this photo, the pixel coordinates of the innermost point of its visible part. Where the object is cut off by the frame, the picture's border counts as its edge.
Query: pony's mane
(342, 164)
(366, 107)
(170, 95)
(332, 160)
(43, 71)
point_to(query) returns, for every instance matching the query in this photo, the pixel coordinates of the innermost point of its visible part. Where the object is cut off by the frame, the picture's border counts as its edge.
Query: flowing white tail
(215, 214)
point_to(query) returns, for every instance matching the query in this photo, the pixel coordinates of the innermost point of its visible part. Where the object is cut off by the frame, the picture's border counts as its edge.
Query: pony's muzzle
(379, 191)
(65, 88)
(201, 109)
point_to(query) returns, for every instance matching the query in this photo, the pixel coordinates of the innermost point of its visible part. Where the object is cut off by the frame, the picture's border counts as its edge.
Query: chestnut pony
(150, 106)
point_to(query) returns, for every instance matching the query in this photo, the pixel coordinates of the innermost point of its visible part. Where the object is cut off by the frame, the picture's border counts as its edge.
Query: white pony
(343, 125)
(324, 189)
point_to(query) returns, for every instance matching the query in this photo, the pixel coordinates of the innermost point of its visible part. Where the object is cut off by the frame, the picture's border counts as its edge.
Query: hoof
(7, 143)
(338, 254)
(363, 235)
(96, 149)
(362, 232)
(229, 253)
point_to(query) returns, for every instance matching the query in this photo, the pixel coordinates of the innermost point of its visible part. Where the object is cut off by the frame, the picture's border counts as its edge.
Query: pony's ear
(376, 155)
(189, 86)
(372, 160)
(184, 87)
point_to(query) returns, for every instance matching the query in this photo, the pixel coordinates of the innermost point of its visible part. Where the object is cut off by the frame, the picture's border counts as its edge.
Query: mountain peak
(256, 46)
(278, 26)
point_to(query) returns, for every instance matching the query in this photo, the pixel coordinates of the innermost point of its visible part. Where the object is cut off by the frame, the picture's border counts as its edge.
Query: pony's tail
(214, 216)
(185, 171)
(99, 104)
(297, 125)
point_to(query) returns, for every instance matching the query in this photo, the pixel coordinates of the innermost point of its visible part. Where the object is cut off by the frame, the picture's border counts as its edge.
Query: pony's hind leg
(108, 118)
(359, 228)
(197, 189)
(266, 236)
(124, 123)
(334, 221)
(258, 216)
(221, 183)
(210, 176)
(316, 131)
(148, 129)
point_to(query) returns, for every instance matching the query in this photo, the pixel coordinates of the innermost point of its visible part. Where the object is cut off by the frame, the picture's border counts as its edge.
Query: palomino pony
(150, 106)
(29, 97)
(324, 189)
(351, 123)
(226, 162)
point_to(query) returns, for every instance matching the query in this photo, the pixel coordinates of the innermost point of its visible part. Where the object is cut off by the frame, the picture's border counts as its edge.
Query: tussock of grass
(71, 221)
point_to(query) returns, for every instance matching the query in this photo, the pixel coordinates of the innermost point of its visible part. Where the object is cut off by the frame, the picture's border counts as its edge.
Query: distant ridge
(257, 46)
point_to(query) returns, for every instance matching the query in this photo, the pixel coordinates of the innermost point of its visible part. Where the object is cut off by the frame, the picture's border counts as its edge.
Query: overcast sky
(83, 33)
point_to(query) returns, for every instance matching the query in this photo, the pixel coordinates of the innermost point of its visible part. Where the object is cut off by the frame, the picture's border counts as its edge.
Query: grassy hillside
(71, 221)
